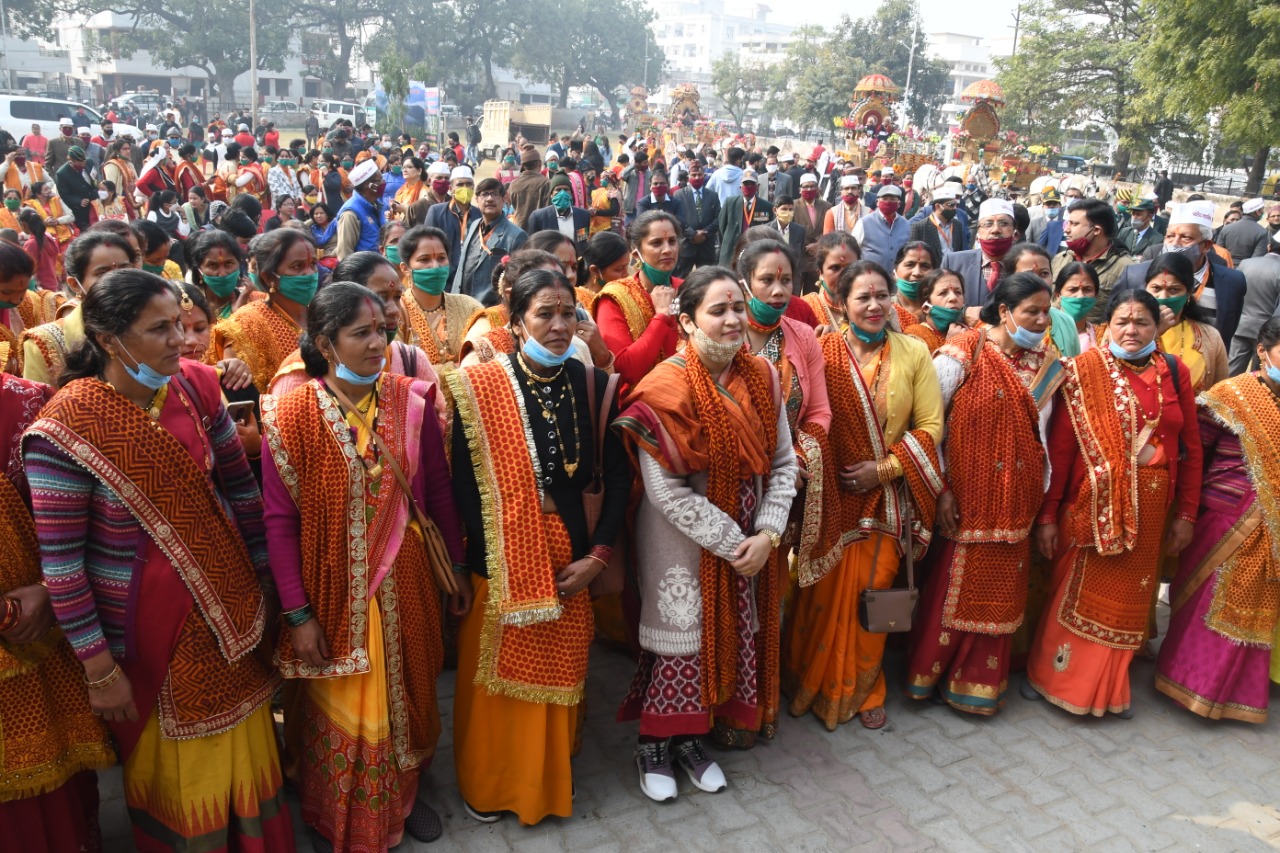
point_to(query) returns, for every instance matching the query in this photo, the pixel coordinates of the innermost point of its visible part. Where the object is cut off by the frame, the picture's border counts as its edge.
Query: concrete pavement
(1033, 778)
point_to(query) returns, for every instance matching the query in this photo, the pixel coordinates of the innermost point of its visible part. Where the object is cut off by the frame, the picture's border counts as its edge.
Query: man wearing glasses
(980, 267)
(940, 229)
(490, 237)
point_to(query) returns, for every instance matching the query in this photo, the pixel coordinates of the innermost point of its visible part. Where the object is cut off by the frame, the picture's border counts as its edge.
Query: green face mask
(1175, 303)
(392, 253)
(396, 170)
(12, 203)
(942, 318)
(300, 288)
(347, 164)
(910, 289)
(763, 313)
(391, 335)
(431, 281)
(1077, 307)
(222, 286)
(5, 305)
(157, 269)
(660, 278)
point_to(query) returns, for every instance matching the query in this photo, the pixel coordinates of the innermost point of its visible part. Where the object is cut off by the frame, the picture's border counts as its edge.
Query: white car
(18, 113)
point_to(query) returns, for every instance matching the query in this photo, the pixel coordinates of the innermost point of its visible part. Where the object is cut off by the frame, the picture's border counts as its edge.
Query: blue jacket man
(455, 216)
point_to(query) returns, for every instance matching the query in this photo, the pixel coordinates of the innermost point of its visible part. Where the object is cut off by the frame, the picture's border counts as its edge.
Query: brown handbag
(889, 611)
(432, 540)
(610, 578)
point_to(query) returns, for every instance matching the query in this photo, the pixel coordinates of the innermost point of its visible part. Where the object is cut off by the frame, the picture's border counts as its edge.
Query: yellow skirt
(219, 792)
(510, 756)
(830, 665)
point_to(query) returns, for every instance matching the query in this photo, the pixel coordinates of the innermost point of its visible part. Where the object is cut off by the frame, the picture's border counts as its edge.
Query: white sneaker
(657, 778)
(704, 773)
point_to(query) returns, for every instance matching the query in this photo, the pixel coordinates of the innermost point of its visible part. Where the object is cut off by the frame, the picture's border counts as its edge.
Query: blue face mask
(1024, 337)
(1053, 212)
(867, 337)
(543, 356)
(346, 374)
(1273, 373)
(562, 200)
(1121, 353)
(143, 374)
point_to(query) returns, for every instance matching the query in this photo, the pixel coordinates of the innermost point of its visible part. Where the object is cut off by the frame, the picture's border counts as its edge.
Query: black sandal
(423, 823)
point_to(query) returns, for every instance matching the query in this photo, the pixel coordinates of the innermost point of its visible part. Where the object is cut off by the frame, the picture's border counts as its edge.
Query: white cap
(946, 192)
(887, 171)
(787, 157)
(996, 207)
(226, 132)
(1254, 205)
(66, 122)
(243, 127)
(551, 155)
(850, 181)
(1193, 213)
(808, 178)
(152, 127)
(439, 167)
(362, 172)
(461, 172)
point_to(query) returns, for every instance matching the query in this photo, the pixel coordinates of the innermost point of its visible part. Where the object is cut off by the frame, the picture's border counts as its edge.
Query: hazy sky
(992, 17)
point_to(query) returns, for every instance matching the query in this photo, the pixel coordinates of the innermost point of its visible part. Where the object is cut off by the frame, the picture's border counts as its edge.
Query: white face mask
(102, 194)
(771, 167)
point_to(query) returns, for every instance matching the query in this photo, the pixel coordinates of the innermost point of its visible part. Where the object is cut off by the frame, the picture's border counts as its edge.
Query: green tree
(207, 34)
(1078, 62)
(815, 81)
(333, 29)
(738, 86)
(1220, 60)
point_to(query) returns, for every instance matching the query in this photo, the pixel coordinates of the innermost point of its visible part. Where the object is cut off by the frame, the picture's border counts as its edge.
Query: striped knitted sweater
(92, 548)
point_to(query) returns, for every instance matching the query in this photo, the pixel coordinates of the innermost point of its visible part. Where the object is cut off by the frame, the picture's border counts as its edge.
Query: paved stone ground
(1033, 778)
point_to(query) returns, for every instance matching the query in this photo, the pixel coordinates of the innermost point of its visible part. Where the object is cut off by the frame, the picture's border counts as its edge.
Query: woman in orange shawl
(1124, 447)
(709, 435)
(434, 320)
(50, 743)
(832, 254)
(361, 647)
(522, 651)
(150, 529)
(20, 307)
(263, 332)
(942, 309)
(634, 314)
(885, 424)
(995, 380)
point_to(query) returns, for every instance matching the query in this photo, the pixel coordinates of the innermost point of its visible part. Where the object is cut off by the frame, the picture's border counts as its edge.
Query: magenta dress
(1214, 673)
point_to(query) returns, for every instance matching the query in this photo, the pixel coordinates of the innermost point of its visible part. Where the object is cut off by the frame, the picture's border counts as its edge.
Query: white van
(18, 113)
(327, 112)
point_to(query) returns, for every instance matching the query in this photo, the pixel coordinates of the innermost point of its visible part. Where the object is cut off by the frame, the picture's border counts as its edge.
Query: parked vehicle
(17, 114)
(327, 112)
(503, 119)
(143, 102)
(278, 107)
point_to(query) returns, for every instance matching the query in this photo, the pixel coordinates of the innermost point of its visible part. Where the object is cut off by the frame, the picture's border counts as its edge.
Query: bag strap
(423, 519)
(909, 549)
(598, 423)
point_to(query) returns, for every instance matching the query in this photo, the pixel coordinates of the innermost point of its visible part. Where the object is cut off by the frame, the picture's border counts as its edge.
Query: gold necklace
(549, 407)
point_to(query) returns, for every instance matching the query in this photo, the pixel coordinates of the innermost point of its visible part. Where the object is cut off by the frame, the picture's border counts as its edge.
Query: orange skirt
(831, 666)
(510, 755)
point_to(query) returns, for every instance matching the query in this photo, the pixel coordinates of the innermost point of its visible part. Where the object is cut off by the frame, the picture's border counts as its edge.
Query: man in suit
(980, 268)
(489, 237)
(701, 215)
(740, 212)
(561, 215)
(1221, 290)
(784, 210)
(1246, 238)
(776, 183)
(939, 229)
(1046, 223)
(456, 215)
(1261, 303)
(660, 198)
(1141, 232)
(811, 208)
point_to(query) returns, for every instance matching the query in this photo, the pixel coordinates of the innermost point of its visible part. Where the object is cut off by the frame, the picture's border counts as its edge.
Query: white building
(26, 65)
(694, 34)
(101, 72)
(971, 59)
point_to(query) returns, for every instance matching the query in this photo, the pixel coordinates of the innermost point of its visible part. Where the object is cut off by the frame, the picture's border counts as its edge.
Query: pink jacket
(805, 355)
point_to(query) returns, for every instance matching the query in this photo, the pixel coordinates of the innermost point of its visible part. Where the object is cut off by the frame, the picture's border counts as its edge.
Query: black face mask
(947, 213)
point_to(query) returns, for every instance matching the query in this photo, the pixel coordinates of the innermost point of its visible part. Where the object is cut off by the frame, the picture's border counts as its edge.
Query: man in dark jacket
(74, 188)
(1246, 238)
(740, 212)
(701, 213)
(561, 215)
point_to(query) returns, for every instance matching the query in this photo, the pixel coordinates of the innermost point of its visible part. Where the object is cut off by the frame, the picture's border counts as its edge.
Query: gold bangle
(106, 681)
(775, 539)
(603, 564)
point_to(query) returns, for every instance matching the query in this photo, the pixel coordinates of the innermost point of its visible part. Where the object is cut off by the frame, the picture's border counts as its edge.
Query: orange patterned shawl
(457, 310)
(587, 298)
(47, 732)
(857, 436)
(36, 308)
(1245, 596)
(996, 465)
(351, 554)
(497, 317)
(168, 493)
(696, 430)
(262, 337)
(926, 332)
(632, 299)
(533, 644)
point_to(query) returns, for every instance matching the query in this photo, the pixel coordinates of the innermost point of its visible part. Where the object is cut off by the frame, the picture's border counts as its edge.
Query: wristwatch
(775, 539)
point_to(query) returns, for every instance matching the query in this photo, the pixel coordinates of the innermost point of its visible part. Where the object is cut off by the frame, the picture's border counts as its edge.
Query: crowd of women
(245, 485)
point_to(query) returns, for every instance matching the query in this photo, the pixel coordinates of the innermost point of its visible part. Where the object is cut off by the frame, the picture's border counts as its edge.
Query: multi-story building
(970, 58)
(99, 69)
